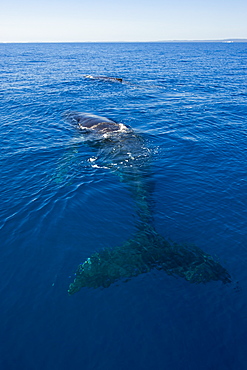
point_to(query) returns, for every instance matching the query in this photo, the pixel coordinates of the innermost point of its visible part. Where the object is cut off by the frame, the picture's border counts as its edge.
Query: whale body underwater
(147, 249)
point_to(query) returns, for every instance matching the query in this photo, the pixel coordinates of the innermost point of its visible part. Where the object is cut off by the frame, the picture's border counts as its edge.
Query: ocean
(61, 202)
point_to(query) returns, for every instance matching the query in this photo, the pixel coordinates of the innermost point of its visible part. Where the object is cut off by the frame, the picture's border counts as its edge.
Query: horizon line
(228, 40)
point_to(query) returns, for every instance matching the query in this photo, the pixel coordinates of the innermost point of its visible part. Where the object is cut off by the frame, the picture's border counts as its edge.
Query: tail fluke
(139, 255)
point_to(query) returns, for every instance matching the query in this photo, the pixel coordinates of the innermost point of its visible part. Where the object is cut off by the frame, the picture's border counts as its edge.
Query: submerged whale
(147, 249)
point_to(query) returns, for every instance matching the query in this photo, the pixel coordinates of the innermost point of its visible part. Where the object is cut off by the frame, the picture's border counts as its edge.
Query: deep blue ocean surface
(59, 204)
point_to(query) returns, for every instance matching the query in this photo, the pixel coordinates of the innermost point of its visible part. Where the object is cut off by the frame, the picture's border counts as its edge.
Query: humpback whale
(147, 249)
(104, 78)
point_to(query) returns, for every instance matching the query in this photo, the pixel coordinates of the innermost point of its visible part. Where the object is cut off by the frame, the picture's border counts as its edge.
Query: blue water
(189, 103)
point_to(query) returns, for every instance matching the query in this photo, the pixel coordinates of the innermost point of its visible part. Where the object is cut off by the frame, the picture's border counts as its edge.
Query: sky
(121, 20)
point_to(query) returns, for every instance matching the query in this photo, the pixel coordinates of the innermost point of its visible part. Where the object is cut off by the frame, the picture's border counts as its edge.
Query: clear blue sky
(121, 20)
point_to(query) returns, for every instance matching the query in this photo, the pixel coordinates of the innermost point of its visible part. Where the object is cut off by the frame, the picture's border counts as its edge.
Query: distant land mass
(223, 40)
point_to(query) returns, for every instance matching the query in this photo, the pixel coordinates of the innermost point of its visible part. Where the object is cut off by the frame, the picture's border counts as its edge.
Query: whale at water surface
(87, 121)
(104, 78)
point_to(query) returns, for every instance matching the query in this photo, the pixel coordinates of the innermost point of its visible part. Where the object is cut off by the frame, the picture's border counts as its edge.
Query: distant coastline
(220, 40)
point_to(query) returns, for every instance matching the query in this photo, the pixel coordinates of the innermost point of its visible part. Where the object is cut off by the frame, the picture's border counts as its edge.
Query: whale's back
(92, 122)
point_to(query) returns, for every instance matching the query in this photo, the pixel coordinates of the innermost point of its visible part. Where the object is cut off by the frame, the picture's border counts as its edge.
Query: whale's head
(90, 123)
